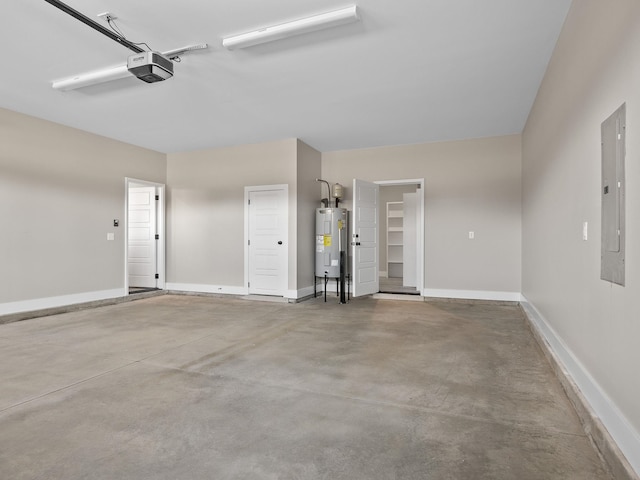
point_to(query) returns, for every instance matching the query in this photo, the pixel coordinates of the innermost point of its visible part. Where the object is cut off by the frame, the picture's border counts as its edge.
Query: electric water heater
(331, 239)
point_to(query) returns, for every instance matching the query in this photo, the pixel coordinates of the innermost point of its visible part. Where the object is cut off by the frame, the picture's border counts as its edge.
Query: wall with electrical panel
(579, 284)
(61, 190)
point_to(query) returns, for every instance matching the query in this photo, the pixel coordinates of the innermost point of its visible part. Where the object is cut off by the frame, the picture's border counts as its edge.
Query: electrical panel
(613, 197)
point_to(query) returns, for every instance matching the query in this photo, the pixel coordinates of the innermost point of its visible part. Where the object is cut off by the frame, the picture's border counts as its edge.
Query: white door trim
(264, 188)
(420, 226)
(161, 263)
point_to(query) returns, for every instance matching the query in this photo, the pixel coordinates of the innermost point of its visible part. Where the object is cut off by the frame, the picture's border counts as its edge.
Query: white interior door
(410, 239)
(365, 237)
(142, 248)
(267, 242)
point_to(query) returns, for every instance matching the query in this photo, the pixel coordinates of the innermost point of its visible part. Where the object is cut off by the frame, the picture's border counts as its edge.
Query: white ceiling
(411, 71)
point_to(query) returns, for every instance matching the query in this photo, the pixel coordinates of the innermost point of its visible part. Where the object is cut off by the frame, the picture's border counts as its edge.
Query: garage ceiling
(410, 71)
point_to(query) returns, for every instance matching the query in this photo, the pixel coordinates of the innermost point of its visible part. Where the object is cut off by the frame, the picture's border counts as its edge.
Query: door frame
(421, 224)
(264, 188)
(160, 226)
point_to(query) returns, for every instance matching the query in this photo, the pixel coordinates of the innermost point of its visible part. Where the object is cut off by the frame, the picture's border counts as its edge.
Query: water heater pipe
(325, 200)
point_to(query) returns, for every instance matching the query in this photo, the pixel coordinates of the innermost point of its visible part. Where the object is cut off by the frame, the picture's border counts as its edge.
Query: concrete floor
(187, 387)
(395, 285)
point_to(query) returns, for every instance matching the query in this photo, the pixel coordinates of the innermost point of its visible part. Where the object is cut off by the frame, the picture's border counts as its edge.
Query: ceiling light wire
(95, 25)
(112, 24)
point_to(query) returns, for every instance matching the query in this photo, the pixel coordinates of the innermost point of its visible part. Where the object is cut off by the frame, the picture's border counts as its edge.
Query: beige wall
(595, 324)
(206, 209)
(60, 190)
(471, 185)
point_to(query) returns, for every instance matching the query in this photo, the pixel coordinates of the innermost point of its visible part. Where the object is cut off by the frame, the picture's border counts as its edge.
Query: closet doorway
(400, 237)
(145, 243)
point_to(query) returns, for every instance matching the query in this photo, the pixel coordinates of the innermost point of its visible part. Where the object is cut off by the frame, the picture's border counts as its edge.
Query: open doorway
(145, 244)
(369, 219)
(399, 239)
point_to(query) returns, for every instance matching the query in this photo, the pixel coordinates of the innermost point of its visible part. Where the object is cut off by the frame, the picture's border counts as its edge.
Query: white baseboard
(205, 288)
(301, 292)
(623, 434)
(60, 301)
(231, 290)
(472, 295)
(455, 294)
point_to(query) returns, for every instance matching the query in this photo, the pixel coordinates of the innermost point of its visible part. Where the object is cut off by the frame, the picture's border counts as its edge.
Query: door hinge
(248, 284)
(249, 202)
(248, 242)
(157, 275)
(157, 197)
(157, 236)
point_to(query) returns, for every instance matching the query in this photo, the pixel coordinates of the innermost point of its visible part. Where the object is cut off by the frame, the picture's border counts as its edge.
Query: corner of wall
(308, 169)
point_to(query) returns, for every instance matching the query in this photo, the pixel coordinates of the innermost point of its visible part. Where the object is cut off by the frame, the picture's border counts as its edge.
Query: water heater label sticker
(320, 239)
(320, 249)
(327, 240)
(334, 263)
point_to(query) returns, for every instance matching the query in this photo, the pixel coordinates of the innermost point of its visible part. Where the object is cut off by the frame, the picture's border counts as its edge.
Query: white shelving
(395, 240)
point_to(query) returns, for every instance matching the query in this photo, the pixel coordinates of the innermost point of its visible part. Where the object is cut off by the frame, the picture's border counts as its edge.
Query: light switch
(585, 231)
(111, 236)
(472, 235)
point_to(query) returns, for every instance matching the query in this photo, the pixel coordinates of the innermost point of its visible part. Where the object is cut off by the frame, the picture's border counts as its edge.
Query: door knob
(279, 242)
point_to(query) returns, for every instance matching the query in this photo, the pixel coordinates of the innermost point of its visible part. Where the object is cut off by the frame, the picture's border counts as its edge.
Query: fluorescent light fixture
(113, 73)
(289, 29)
(92, 78)
(176, 52)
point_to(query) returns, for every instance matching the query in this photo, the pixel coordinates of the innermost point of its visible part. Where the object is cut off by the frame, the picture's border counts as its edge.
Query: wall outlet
(111, 236)
(472, 235)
